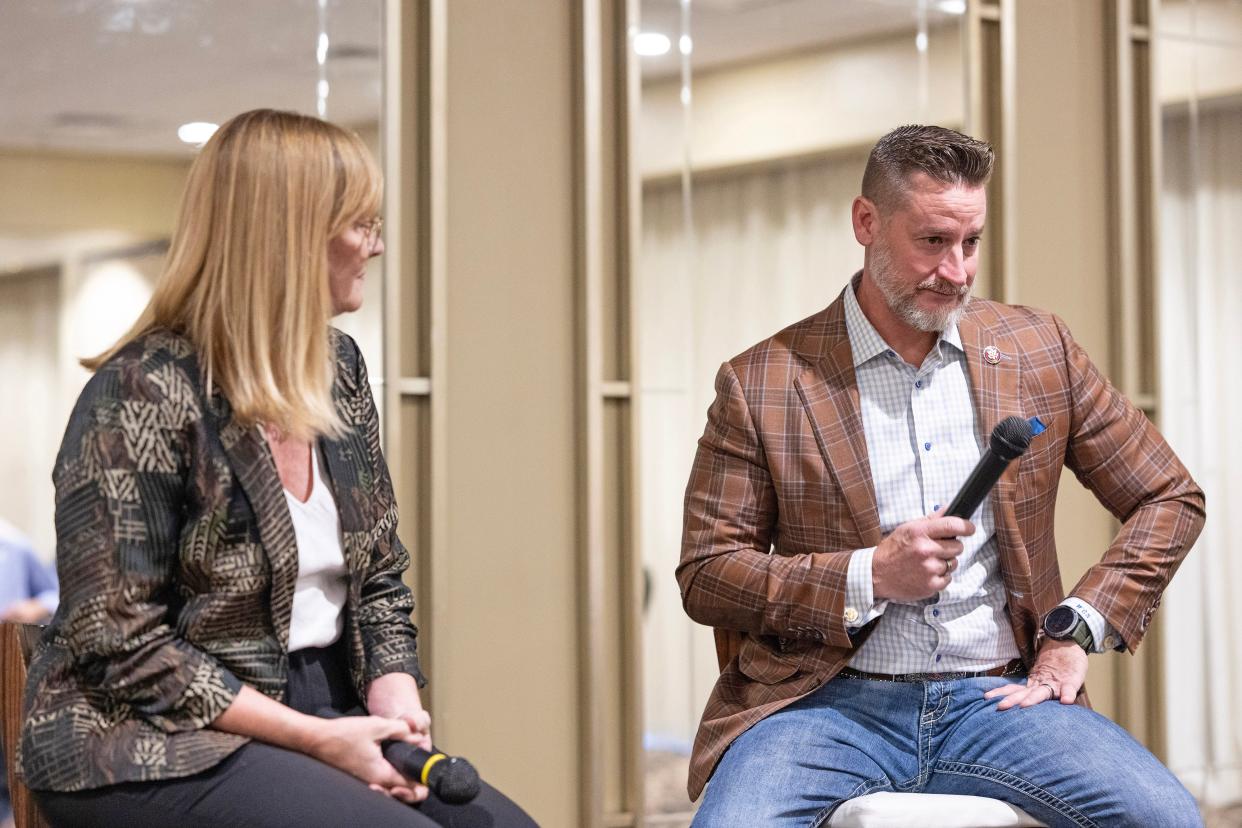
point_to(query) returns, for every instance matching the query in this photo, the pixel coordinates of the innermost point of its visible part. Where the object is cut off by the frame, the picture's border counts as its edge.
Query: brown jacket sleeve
(727, 575)
(1118, 454)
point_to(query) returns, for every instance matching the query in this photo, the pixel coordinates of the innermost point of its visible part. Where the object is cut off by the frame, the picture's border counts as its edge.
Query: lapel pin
(992, 354)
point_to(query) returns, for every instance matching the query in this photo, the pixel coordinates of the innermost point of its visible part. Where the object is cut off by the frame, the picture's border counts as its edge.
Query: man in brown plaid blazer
(794, 510)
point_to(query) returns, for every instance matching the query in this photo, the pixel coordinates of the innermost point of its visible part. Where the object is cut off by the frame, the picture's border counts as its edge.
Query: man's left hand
(1059, 672)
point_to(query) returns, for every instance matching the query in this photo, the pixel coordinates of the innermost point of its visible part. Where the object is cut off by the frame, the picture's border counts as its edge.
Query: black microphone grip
(1008, 441)
(984, 476)
(451, 778)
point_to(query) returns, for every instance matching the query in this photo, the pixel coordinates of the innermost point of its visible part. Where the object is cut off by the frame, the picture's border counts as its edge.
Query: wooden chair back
(17, 642)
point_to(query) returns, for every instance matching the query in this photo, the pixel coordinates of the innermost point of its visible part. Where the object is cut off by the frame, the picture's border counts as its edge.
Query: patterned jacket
(177, 563)
(783, 466)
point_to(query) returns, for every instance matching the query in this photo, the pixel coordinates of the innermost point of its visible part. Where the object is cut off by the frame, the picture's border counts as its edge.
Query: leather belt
(1013, 669)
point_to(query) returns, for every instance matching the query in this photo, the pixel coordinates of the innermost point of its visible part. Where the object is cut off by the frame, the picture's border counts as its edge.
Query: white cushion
(901, 810)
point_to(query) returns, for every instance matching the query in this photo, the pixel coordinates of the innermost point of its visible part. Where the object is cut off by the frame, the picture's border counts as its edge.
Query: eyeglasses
(371, 231)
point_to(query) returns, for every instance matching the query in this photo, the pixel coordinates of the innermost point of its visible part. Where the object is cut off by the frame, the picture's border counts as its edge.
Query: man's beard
(902, 300)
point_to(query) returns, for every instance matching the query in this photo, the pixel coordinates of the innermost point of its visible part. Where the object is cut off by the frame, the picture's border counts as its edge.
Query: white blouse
(319, 597)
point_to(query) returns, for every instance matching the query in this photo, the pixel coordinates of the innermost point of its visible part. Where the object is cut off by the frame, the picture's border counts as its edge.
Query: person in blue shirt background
(28, 594)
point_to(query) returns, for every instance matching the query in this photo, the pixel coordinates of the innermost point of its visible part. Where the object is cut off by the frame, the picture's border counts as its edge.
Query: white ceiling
(119, 76)
(122, 75)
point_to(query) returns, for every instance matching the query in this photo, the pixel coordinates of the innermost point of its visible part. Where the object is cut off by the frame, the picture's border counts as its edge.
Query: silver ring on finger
(1052, 691)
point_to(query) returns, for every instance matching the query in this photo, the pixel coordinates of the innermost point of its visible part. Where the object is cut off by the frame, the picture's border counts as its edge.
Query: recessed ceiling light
(652, 44)
(952, 6)
(685, 45)
(196, 132)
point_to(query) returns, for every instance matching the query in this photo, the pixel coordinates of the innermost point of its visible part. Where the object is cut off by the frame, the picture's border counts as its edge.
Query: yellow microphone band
(435, 757)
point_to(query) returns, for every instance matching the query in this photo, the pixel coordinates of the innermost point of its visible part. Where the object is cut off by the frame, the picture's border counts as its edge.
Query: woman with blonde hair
(226, 528)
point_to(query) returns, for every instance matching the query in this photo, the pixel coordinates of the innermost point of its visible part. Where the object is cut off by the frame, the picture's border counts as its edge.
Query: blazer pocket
(761, 663)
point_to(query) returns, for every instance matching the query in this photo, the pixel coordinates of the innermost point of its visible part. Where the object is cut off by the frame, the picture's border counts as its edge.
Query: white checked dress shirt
(922, 443)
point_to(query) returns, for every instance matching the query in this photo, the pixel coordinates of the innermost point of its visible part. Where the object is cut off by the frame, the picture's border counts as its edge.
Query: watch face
(1060, 622)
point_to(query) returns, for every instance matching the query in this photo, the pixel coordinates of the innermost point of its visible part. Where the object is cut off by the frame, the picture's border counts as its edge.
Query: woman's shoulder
(348, 356)
(157, 365)
(344, 347)
(158, 346)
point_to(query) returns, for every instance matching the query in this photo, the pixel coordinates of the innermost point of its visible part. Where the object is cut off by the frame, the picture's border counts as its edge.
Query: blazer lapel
(995, 388)
(829, 394)
(255, 468)
(342, 458)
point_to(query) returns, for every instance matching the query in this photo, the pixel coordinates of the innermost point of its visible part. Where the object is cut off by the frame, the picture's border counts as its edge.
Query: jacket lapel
(995, 389)
(829, 394)
(342, 458)
(252, 462)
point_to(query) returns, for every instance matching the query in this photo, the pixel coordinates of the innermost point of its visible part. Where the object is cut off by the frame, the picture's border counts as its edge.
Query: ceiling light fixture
(652, 44)
(952, 6)
(196, 132)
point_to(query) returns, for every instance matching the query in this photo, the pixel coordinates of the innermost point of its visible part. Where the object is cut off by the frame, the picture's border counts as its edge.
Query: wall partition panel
(510, 378)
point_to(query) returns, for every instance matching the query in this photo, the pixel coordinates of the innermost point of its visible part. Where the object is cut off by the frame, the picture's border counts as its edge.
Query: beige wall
(505, 664)
(45, 193)
(62, 215)
(802, 104)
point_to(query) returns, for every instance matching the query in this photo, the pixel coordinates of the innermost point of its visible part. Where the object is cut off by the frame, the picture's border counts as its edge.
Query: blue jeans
(1063, 764)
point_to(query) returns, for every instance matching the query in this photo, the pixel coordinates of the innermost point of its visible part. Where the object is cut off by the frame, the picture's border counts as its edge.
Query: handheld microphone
(451, 778)
(1009, 440)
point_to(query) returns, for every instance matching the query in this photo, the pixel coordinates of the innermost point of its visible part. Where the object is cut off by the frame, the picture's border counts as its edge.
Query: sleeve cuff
(1103, 636)
(860, 605)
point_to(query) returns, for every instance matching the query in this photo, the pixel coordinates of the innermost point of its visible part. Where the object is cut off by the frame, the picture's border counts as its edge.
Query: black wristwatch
(1064, 624)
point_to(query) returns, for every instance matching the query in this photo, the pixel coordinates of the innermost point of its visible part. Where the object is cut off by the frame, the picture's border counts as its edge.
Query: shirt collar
(866, 342)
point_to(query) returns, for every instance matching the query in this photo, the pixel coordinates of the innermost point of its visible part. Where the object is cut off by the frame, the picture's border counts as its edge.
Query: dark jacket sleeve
(388, 634)
(120, 483)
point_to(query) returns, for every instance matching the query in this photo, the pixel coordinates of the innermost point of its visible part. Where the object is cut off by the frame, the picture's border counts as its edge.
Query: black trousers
(269, 787)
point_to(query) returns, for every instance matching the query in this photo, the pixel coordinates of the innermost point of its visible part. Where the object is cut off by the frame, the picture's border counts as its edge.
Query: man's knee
(745, 806)
(1158, 801)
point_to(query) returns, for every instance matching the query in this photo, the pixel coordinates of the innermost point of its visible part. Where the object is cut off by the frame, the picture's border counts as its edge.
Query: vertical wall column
(610, 576)
(1063, 89)
(991, 77)
(509, 414)
(414, 300)
(1134, 139)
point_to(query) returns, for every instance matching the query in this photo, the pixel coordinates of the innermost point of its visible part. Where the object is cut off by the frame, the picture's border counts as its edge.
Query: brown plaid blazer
(177, 563)
(780, 494)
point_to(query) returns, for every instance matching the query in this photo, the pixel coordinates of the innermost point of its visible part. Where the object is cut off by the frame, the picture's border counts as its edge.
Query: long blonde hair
(246, 279)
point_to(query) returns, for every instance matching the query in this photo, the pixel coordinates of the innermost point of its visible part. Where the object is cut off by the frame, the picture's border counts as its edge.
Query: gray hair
(943, 154)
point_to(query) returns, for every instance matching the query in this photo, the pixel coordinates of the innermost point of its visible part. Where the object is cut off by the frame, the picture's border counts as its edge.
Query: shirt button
(927, 446)
(937, 658)
(936, 508)
(936, 613)
(1110, 642)
(851, 615)
(918, 383)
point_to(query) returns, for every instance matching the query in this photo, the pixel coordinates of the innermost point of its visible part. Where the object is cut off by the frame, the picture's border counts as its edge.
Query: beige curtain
(766, 248)
(30, 379)
(1201, 336)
